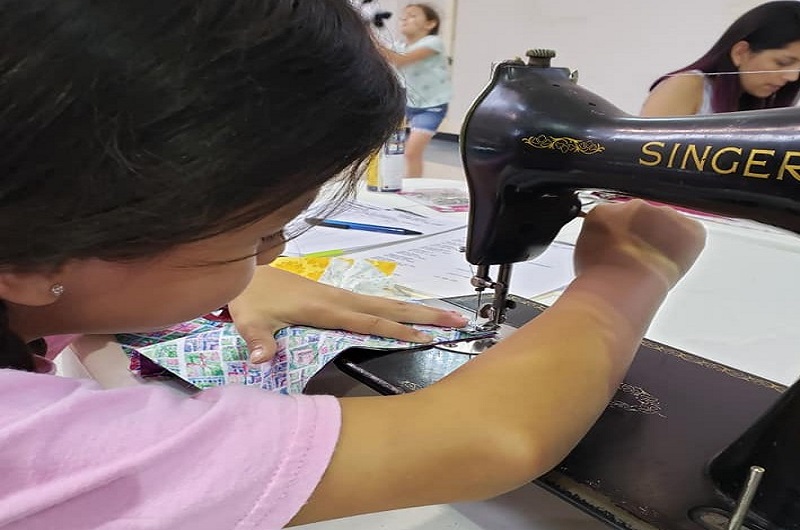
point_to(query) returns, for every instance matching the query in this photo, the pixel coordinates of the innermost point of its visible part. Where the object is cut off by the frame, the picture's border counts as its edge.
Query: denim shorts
(426, 118)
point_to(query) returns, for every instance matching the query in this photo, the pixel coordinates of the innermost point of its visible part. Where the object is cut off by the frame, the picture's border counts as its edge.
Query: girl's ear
(739, 53)
(30, 289)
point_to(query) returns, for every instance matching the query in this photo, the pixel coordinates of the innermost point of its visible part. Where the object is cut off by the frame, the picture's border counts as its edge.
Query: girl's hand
(640, 237)
(276, 299)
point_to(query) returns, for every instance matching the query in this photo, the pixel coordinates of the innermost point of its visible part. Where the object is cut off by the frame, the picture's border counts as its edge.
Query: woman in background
(753, 65)
(425, 70)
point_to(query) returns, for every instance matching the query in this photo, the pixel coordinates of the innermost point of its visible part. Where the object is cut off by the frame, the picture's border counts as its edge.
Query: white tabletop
(736, 307)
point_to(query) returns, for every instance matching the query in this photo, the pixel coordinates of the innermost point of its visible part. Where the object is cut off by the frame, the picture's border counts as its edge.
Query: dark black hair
(127, 128)
(769, 26)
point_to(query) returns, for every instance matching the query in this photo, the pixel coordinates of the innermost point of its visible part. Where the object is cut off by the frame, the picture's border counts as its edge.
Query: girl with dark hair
(423, 65)
(151, 154)
(753, 65)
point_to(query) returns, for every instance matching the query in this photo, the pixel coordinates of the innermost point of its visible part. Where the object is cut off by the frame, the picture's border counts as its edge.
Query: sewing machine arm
(533, 138)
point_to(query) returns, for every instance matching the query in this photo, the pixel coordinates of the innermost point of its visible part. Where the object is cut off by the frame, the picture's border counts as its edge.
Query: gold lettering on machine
(723, 160)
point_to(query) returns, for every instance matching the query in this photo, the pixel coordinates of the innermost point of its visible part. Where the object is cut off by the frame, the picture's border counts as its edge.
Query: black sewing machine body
(533, 138)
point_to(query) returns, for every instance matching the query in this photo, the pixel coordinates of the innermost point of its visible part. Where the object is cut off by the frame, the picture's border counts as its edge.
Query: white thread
(679, 74)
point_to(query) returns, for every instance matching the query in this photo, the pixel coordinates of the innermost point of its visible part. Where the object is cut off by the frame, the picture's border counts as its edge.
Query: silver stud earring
(57, 290)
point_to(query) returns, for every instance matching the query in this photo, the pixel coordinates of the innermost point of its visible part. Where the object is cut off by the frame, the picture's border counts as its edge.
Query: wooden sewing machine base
(643, 464)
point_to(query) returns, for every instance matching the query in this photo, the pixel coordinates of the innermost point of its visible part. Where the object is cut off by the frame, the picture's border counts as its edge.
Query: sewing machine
(534, 137)
(529, 143)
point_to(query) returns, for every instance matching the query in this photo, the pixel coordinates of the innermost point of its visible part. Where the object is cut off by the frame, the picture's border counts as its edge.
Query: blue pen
(347, 225)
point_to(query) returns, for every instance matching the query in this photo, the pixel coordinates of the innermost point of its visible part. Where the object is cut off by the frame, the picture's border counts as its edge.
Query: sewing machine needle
(478, 309)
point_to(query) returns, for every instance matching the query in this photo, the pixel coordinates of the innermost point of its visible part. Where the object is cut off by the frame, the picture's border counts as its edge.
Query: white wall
(619, 47)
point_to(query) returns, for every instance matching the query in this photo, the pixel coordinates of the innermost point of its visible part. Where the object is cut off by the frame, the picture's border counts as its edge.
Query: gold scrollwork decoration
(705, 363)
(646, 403)
(565, 144)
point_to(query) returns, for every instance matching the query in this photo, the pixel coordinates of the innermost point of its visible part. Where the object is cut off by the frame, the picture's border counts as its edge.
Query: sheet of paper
(320, 240)
(435, 266)
(207, 354)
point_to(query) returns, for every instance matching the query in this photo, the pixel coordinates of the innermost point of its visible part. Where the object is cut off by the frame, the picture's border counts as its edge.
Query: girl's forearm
(543, 387)
(516, 410)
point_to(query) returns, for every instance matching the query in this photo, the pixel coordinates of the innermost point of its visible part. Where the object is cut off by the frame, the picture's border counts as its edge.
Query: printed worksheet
(323, 240)
(437, 267)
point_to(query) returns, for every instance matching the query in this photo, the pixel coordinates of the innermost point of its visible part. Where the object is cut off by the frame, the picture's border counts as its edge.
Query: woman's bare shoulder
(678, 95)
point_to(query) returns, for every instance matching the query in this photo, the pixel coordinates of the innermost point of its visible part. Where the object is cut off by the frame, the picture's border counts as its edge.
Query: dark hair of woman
(768, 26)
(121, 138)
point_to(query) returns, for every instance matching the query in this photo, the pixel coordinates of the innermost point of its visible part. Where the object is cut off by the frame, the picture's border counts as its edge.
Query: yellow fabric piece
(386, 267)
(313, 268)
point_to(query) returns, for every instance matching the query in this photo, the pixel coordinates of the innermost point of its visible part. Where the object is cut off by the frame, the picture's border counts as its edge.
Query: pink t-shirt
(75, 456)
(56, 343)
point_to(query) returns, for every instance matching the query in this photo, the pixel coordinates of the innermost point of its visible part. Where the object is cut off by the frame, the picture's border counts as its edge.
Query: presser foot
(478, 346)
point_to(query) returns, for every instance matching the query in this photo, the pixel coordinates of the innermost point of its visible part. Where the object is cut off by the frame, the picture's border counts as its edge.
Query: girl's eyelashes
(275, 237)
(293, 230)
